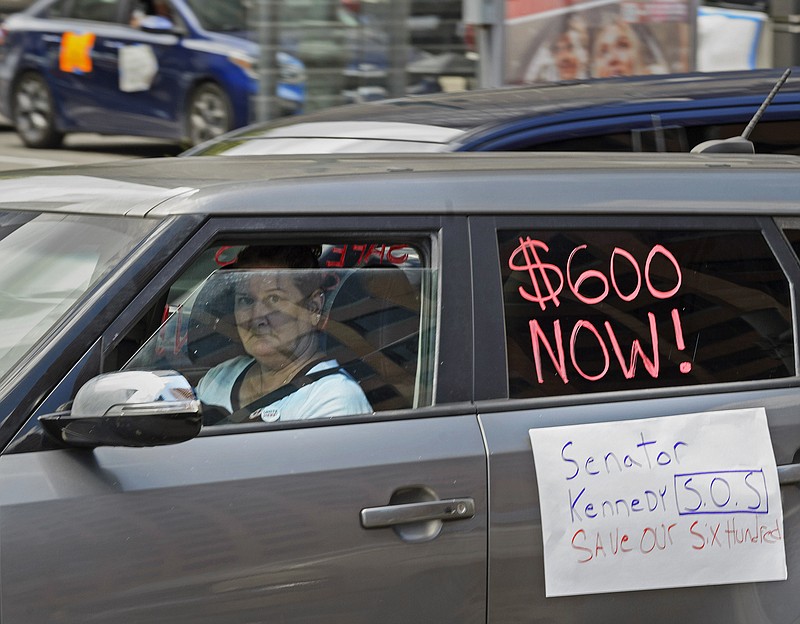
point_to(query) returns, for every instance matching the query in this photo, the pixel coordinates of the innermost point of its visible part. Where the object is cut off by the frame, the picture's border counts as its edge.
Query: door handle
(391, 515)
(789, 474)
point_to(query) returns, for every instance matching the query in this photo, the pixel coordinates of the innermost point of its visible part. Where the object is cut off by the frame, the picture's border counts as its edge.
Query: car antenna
(741, 144)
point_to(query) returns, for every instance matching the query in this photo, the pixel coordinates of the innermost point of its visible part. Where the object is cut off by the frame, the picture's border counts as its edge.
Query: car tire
(209, 113)
(33, 112)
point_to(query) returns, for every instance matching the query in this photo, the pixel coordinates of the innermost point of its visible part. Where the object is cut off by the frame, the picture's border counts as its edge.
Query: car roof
(437, 184)
(477, 115)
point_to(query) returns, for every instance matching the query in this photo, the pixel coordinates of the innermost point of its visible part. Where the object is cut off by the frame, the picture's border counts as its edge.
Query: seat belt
(251, 412)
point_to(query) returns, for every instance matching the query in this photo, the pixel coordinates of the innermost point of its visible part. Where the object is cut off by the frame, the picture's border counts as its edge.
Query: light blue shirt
(336, 394)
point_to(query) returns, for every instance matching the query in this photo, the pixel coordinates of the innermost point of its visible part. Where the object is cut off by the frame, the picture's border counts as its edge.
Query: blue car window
(96, 10)
(220, 15)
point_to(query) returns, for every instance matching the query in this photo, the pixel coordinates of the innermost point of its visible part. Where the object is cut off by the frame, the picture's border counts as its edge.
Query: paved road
(78, 148)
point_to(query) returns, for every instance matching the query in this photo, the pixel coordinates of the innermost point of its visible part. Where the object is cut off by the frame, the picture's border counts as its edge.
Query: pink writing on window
(593, 287)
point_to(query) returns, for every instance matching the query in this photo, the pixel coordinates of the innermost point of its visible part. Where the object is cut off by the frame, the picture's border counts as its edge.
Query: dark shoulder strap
(303, 378)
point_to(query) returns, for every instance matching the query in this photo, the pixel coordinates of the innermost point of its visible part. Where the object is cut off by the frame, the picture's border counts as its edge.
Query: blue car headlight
(290, 70)
(245, 62)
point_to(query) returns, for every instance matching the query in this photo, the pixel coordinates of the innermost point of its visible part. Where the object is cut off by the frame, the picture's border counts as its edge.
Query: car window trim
(641, 394)
(448, 237)
(432, 411)
(790, 264)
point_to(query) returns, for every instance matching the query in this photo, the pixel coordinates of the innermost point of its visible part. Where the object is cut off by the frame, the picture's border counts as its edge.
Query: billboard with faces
(554, 40)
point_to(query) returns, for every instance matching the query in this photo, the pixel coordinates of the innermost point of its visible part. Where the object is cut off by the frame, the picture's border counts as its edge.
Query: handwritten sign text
(554, 343)
(662, 502)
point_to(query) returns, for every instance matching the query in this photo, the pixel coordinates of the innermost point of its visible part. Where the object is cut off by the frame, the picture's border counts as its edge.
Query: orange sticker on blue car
(75, 55)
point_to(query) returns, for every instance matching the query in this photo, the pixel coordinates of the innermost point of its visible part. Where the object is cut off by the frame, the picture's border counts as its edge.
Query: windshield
(49, 262)
(220, 15)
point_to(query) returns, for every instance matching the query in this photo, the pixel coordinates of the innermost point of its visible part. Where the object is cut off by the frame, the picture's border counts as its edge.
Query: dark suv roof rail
(741, 144)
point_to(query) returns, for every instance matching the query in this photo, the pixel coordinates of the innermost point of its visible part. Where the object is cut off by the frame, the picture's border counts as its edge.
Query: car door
(597, 367)
(110, 75)
(145, 75)
(379, 517)
(134, 76)
(82, 65)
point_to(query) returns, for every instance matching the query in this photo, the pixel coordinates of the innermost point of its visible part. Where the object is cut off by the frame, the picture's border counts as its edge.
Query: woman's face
(615, 53)
(569, 58)
(276, 320)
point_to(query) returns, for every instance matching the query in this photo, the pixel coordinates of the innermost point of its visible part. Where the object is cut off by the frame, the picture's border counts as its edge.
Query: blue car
(631, 114)
(182, 70)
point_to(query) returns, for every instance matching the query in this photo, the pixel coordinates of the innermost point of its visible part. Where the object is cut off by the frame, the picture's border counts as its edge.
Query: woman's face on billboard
(616, 51)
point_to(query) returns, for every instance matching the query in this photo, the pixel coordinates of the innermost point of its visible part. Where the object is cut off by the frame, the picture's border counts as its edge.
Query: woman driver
(285, 374)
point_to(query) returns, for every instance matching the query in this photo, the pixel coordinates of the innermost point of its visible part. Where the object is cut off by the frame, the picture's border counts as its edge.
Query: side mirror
(129, 408)
(157, 24)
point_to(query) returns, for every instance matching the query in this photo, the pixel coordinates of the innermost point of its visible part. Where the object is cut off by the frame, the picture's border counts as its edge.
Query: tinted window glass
(592, 311)
(774, 137)
(368, 308)
(661, 139)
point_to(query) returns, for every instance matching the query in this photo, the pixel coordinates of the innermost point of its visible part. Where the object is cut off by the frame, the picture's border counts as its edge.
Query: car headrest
(212, 336)
(374, 321)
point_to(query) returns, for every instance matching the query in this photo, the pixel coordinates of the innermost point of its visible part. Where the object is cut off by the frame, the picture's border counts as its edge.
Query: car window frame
(395, 373)
(491, 386)
(453, 348)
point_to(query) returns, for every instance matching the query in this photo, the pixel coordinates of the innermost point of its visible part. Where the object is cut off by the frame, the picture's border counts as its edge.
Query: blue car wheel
(209, 113)
(33, 112)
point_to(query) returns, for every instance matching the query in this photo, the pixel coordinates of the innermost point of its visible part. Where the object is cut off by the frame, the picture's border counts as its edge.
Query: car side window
(609, 310)
(276, 332)
(769, 137)
(56, 9)
(95, 10)
(153, 8)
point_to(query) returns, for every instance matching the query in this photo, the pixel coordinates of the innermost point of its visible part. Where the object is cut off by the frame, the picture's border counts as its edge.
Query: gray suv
(437, 388)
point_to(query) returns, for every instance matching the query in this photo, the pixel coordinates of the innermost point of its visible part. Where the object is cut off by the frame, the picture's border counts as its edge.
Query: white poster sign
(138, 67)
(676, 501)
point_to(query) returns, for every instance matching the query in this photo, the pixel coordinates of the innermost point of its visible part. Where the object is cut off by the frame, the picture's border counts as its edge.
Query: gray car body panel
(415, 184)
(244, 527)
(516, 587)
